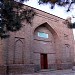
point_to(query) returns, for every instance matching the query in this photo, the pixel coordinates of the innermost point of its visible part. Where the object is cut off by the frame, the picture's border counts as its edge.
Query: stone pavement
(58, 72)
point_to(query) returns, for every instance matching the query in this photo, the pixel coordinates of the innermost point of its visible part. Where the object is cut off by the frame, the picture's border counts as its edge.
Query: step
(46, 70)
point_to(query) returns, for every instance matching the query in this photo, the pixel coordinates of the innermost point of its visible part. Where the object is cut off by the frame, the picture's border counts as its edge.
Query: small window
(42, 34)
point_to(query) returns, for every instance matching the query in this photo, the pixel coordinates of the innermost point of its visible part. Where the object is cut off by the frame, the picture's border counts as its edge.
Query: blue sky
(46, 7)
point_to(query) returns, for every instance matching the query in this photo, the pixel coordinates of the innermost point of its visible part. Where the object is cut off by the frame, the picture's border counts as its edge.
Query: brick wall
(58, 47)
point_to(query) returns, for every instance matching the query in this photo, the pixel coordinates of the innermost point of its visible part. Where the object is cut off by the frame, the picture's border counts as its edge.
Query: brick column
(1, 53)
(2, 65)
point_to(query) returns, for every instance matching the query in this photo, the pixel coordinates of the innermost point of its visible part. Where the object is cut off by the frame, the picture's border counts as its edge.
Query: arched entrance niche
(46, 47)
(18, 57)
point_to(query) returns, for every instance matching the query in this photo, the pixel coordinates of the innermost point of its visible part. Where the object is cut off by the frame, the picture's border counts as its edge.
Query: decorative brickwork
(47, 41)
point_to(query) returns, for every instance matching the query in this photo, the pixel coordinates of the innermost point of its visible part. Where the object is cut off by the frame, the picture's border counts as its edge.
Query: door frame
(43, 61)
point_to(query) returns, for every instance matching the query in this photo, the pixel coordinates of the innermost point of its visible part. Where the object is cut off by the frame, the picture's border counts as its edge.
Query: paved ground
(59, 72)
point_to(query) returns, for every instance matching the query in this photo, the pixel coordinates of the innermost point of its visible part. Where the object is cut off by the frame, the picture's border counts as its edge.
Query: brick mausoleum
(45, 44)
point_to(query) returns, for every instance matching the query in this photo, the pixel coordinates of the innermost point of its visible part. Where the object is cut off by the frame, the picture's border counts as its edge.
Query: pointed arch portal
(45, 45)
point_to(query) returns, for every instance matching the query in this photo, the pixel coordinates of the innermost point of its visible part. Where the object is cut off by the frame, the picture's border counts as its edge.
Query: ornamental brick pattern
(25, 51)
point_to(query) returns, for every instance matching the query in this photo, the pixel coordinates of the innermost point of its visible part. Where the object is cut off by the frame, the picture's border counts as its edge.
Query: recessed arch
(48, 27)
(49, 46)
(18, 51)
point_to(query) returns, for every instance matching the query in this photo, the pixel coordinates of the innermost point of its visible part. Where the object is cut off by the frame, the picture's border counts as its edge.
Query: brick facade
(23, 49)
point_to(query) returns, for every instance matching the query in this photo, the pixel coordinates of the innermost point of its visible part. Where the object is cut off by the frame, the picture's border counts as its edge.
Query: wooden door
(44, 62)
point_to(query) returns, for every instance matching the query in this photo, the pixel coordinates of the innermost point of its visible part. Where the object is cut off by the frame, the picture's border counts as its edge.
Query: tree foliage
(11, 19)
(53, 2)
(58, 2)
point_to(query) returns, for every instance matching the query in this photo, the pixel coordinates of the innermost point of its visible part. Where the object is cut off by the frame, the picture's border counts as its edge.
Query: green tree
(10, 20)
